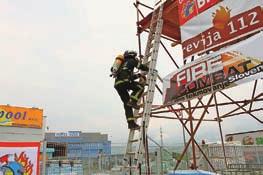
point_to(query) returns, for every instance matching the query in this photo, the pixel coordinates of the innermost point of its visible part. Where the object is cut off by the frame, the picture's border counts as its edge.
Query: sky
(56, 55)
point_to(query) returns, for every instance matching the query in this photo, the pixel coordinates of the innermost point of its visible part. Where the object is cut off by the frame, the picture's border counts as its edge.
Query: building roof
(76, 136)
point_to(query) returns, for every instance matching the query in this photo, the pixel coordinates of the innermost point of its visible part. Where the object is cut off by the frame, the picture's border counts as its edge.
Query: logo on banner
(188, 9)
(221, 18)
(16, 164)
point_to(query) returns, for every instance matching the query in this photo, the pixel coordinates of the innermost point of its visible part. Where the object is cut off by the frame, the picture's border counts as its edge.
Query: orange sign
(21, 117)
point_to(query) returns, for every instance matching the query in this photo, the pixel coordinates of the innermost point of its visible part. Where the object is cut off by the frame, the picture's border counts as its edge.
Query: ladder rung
(154, 22)
(134, 140)
(153, 27)
(151, 45)
(134, 129)
(131, 153)
(148, 55)
(151, 36)
(130, 167)
(148, 63)
(144, 94)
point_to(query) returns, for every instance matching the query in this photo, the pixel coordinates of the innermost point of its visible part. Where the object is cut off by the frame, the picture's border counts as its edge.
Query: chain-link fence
(236, 158)
(90, 166)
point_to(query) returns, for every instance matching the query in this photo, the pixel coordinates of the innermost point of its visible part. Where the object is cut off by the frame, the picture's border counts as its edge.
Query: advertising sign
(21, 117)
(253, 141)
(247, 138)
(19, 158)
(226, 68)
(218, 24)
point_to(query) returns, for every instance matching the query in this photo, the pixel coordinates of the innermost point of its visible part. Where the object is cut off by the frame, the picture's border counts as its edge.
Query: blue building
(78, 145)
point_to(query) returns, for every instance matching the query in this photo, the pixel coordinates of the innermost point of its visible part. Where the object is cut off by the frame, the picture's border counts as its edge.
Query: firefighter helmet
(130, 54)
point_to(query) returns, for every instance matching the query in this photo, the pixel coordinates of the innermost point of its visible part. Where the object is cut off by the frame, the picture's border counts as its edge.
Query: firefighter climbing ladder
(150, 58)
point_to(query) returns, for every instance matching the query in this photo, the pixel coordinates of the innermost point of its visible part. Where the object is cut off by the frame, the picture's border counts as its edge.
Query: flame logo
(221, 17)
(25, 162)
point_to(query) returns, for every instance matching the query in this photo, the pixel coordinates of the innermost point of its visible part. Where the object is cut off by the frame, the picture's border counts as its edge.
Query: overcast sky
(56, 55)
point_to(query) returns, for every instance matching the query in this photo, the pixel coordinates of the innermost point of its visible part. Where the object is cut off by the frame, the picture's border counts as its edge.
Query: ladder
(133, 159)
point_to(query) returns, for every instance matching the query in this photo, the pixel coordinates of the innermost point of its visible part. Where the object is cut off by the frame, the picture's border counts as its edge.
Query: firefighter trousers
(123, 91)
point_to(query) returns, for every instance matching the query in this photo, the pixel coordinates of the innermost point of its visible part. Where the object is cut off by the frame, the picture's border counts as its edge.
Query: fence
(241, 160)
(238, 157)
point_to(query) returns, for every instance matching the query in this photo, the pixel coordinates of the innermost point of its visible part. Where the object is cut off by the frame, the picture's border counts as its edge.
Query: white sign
(68, 134)
(223, 23)
(224, 69)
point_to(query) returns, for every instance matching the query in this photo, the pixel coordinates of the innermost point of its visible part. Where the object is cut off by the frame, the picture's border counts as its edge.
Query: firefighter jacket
(126, 71)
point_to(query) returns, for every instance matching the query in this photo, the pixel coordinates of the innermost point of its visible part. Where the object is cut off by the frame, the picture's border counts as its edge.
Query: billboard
(19, 158)
(209, 24)
(220, 70)
(21, 117)
(253, 141)
(247, 138)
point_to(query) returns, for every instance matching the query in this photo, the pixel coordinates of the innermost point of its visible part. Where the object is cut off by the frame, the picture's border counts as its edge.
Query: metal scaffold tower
(190, 114)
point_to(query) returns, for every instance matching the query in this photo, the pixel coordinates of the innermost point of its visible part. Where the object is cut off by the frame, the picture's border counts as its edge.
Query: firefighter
(125, 81)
